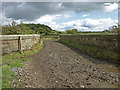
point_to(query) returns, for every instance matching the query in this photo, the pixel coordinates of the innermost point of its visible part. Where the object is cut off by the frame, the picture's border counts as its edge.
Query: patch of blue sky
(100, 15)
(74, 16)
(93, 15)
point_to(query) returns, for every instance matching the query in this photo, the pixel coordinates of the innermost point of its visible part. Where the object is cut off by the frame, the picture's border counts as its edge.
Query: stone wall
(19, 43)
(105, 47)
(108, 42)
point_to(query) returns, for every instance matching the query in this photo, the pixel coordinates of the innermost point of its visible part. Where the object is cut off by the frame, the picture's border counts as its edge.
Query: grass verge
(95, 52)
(15, 59)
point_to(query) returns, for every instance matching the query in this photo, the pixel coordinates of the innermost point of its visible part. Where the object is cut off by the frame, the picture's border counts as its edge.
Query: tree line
(42, 29)
(23, 28)
(112, 29)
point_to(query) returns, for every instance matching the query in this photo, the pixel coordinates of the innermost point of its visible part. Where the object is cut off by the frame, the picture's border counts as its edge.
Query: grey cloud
(30, 10)
(84, 7)
(33, 10)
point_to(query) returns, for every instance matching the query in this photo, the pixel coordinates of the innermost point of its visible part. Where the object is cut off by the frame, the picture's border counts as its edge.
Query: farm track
(60, 66)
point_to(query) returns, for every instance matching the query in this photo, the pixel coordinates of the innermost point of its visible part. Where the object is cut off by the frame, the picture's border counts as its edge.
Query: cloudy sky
(84, 16)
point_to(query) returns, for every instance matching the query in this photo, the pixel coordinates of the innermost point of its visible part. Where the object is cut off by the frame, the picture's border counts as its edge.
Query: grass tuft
(15, 59)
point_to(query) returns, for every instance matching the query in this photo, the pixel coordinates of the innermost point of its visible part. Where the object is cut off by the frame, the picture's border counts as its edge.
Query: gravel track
(60, 66)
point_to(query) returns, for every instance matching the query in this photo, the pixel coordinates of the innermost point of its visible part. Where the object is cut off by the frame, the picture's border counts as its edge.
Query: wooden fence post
(40, 39)
(20, 44)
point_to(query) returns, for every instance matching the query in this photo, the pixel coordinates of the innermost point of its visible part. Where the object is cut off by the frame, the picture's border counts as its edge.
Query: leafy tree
(113, 29)
(73, 31)
(7, 30)
(22, 28)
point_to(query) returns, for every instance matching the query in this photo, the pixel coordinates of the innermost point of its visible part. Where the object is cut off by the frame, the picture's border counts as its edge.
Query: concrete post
(20, 44)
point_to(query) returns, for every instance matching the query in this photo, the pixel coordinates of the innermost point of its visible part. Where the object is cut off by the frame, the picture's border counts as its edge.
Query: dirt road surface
(59, 66)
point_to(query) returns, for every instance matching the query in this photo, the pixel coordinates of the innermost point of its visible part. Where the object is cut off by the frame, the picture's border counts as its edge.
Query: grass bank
(15, 59)
(95, 52)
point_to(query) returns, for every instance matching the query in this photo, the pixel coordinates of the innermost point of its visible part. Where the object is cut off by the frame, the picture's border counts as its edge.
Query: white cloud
(45, 19)
(110, 6)
(88, 24)
(55, 26)
(5, 21)
(85, 15)
(67, 16)
(51, 18)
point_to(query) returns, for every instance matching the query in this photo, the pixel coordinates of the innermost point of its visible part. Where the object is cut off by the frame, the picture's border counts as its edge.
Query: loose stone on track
(59, 66)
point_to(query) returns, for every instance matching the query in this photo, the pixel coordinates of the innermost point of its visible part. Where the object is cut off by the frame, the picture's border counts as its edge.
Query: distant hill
(22, 28)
